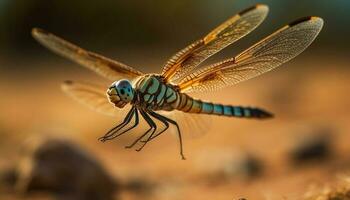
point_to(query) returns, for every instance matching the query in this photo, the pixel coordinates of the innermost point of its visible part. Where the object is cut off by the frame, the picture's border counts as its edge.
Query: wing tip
(261, 6)
(37, 32)
(318, 20)
(257, 6)
(307, 19)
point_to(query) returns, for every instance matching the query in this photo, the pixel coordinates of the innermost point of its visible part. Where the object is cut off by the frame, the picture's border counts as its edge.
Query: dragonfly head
(120, 93)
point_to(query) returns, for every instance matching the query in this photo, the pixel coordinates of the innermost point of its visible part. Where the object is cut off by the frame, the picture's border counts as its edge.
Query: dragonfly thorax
(120, 93)
(154, 93)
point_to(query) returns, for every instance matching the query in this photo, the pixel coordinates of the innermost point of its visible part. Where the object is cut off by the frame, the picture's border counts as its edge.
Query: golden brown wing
(93, 96)
(103, 66)
(269, 53)
(227, 33)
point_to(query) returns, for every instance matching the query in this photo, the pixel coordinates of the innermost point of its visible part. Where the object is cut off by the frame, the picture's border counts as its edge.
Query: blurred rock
(8, 178)
(63, 169)
(312, 146)
(227, 164)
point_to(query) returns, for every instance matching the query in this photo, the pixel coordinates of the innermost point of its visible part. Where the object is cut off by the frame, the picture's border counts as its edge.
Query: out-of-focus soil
(306, 96)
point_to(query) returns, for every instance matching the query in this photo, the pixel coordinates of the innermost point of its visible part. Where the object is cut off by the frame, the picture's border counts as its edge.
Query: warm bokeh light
(304, 148)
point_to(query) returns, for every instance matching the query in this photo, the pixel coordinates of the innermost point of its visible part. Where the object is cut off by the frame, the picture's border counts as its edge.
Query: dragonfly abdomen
(190, 105)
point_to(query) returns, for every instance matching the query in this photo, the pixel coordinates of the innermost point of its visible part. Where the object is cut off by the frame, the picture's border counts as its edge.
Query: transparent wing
(262, 57)
(93, 96)
(227, 33)
(103, 66)
(191, 125)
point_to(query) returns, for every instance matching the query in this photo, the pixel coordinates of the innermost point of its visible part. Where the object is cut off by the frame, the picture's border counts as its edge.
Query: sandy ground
(307, 95)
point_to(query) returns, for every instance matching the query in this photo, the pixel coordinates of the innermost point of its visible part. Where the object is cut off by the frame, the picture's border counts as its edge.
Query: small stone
(8, 178)
(312, 147)
(62, 168)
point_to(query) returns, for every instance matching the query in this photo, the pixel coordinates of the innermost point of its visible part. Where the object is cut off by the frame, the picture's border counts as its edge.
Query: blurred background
(49, 147)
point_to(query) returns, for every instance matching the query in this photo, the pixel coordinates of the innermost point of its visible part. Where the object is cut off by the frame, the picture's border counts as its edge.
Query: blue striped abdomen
(190, 105)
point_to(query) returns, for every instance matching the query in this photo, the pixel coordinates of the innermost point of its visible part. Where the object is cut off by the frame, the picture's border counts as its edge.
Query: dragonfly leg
(114, 130)
(158, 116)
(159, 133)
(133, 126)
(150, 123)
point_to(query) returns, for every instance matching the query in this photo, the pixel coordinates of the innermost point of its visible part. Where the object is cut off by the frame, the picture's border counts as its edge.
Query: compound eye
(122, 91)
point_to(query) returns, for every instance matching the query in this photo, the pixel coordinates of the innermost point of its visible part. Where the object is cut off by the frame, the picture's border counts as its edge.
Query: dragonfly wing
(192, 125)
(103, 66)
(227, 33)
(94, 96)
(269, 53)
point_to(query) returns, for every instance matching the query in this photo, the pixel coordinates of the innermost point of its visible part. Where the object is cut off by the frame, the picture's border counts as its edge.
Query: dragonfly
(148, 96)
